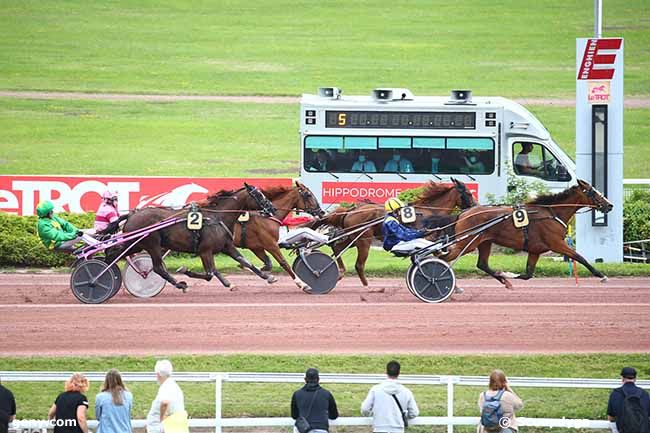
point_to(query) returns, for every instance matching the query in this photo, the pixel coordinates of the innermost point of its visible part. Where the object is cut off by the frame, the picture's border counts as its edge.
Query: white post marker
(599, 144)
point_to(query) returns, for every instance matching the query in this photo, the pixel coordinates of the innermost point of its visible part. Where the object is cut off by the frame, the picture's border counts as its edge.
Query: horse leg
(231, 251)
(563, 248)
(261, 254)
(208, 264)
(279, 257)
(483, 264)
(337, 248)
(531, 263)
(159, 268)
(363, 248)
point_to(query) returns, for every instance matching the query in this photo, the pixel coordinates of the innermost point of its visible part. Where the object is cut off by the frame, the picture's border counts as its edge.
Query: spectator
(523, 164)
(70, 407)
(7, 408)
(499, 389)
(473, 164)
(321, 162)
(168, 401)
(314, 403)
(398, 164)
(113, 405)
(389, 403)
(628, 399)
(363, 165)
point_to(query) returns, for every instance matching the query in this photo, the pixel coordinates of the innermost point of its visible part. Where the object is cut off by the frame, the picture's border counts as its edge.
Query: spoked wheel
(317, 270)
(142, 282)
(89, 287)
(118, 278)
(432, 281)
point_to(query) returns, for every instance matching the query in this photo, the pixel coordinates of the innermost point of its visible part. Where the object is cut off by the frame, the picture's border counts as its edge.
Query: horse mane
(549, 199)
(212, 199)
(431, 192)
(273, 192)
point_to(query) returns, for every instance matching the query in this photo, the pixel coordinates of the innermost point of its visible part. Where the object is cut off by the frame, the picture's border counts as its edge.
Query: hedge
(636, 216)
(21, 246)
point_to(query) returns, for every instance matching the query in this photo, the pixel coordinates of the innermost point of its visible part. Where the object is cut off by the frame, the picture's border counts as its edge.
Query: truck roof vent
(460, 97)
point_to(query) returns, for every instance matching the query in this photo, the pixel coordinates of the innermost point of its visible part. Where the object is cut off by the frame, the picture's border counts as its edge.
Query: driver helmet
(393, 204)
(109, 195)
(44, 208)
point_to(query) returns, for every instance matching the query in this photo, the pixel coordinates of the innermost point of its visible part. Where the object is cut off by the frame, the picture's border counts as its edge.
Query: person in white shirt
(382, 403)
(169, 399)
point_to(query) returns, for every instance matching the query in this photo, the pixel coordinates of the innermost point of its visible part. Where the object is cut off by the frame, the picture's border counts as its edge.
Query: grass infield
(215, 139)
(250, 399)
(285, 47)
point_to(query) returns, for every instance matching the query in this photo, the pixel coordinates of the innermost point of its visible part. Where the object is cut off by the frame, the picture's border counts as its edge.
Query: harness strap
(221, 223)
(242, 239)
(525, 238)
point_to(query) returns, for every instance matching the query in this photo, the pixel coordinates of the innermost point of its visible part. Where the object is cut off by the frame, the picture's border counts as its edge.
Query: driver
(55, 232)
(107, 212)
(398, 237)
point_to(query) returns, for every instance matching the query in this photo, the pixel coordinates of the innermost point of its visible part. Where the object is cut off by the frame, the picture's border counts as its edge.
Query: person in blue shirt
(398, 164)
(398, 235)
(363, 164)
(113, 405)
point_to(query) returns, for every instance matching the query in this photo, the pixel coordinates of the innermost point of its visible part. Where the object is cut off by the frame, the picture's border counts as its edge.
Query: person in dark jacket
(323, 405)
(7, 408)
(617, 396)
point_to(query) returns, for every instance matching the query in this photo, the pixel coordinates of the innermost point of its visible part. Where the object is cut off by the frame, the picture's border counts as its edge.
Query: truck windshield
(417, 155)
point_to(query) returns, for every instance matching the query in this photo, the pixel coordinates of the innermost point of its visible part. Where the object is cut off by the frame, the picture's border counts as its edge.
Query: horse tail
(113, 227)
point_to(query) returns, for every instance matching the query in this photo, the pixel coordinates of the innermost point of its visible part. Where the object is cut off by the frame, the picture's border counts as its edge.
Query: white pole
(218, 382)
(598, 19)
(450, 403)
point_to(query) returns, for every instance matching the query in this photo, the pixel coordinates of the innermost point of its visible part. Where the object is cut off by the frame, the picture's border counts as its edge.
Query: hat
(628, 373)
(311, 375)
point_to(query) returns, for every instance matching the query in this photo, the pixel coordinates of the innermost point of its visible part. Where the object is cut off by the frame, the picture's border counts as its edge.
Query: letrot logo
(598, 92)
(595, 62)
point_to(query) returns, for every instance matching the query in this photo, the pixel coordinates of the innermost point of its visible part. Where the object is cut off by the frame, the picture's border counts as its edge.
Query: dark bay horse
(260, 234)
(219, 212)
(435, 198)
(548, 217)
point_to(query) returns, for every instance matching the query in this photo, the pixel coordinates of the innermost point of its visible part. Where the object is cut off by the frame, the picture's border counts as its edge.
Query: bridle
(308, 196)
(595, 197)
(465, 196)
(266, 207)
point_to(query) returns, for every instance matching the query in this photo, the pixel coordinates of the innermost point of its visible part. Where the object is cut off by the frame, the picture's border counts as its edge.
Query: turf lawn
(510, 48)
(241, 400)
(216, 139)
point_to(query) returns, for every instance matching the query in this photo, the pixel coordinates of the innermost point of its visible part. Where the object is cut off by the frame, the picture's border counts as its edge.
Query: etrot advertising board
(378, 192)
(21, 194)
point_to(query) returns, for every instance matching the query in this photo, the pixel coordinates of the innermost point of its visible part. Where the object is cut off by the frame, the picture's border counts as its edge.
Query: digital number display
(400, 119)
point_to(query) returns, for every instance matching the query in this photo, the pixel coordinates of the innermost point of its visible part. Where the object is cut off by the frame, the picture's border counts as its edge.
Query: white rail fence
(631, 185)
(450, 382)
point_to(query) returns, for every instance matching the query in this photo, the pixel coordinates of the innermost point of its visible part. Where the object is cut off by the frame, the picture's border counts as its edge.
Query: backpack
(634, 418)
(491, 413)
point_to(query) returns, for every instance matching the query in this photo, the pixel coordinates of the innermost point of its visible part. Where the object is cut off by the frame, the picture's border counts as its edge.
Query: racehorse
(219, 212)
(260, 234)
(548, 216)
(435, 198)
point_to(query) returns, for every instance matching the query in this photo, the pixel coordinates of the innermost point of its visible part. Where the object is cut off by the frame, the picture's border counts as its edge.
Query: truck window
(533, 159)
(416, 155)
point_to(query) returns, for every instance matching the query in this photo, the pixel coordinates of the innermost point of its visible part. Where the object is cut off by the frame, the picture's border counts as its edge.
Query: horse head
(260, 200)
(466, 198)
(594, 197)
(308, 201)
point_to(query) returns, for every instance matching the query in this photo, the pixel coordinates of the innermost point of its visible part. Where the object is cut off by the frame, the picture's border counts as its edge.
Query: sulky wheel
(317, 270)
(118, 278)
(142, 282)
(93, 282)
(432, 281)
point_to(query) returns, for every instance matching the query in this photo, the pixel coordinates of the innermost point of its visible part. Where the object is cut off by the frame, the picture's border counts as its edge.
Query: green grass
(239, 400)
(215, 139)
(509, 48)
(383, 264)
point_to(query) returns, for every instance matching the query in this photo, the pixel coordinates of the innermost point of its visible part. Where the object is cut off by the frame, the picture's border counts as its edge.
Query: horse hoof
(382, 290)
(509, 275)
(340, 277)
(307, 290)
(234, 288)
(604, 279)
(182, 285)
(271, 279)
(459, 290)
(181, 270)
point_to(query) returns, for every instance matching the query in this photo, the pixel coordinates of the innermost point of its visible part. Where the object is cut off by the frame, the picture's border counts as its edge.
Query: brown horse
(219, 211)
(260, 234)
(548, 216)
(435, 198)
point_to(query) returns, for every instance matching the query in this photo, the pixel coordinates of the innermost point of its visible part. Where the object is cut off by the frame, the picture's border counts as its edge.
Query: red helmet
(109, 195)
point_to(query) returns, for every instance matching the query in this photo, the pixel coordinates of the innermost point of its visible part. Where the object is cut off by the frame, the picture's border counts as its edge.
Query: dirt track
(39, 315)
